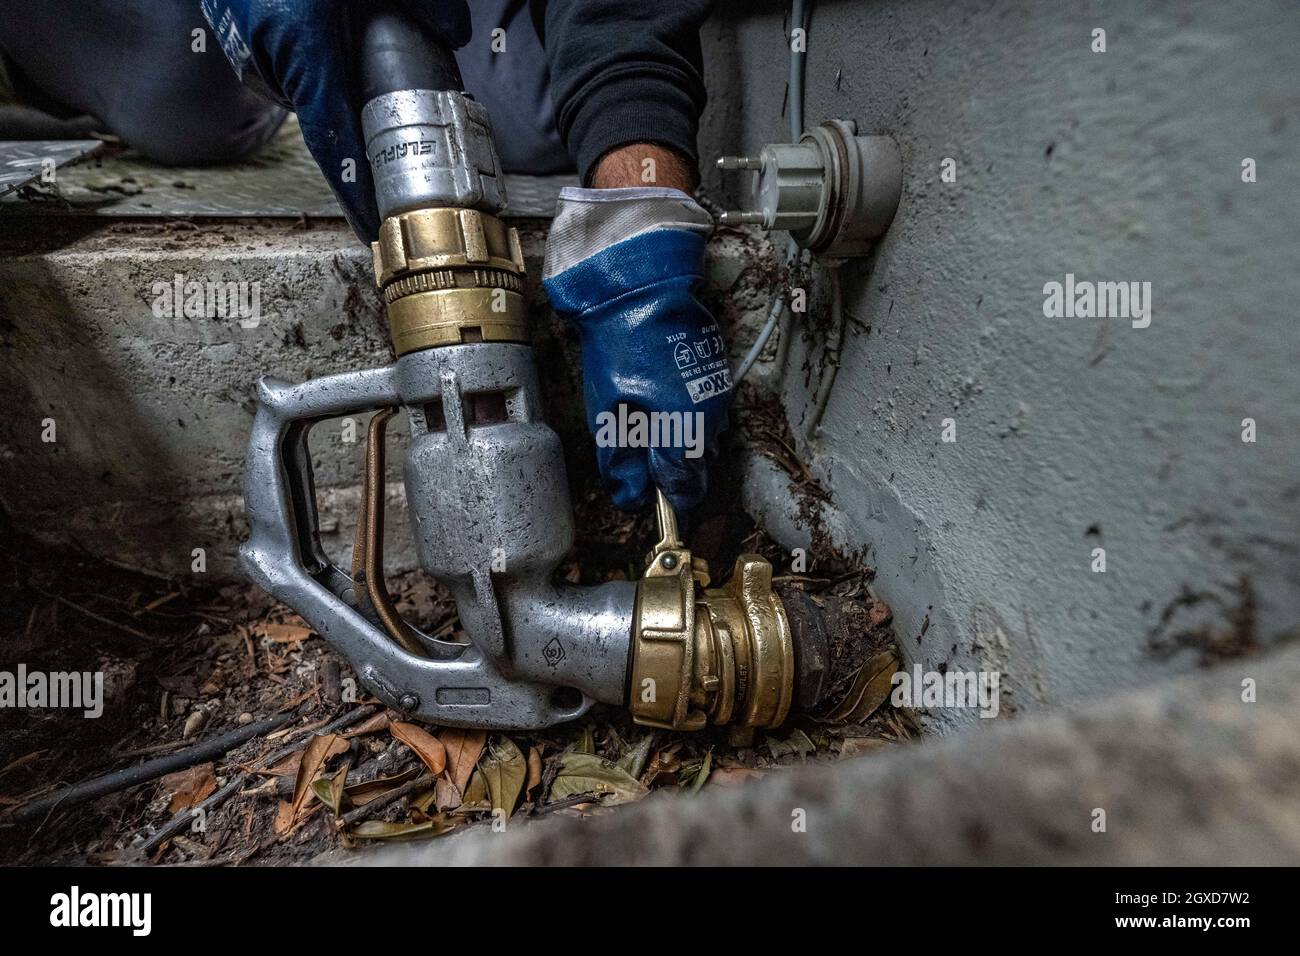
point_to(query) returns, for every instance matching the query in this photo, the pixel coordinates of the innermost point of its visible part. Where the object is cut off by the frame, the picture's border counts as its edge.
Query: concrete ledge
(151, 404)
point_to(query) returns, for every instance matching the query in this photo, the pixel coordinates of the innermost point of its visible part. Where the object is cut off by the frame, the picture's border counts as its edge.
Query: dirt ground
(183, 664)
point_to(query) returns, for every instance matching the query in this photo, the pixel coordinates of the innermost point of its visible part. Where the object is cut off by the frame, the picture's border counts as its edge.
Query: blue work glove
(302, 55)
(622, 265)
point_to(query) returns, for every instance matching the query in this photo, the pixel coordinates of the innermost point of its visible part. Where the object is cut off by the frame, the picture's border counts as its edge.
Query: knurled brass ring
(450, 276)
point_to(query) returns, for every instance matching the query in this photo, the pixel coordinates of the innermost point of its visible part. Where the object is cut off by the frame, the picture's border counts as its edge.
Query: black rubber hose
(397, 55)
(150, 770)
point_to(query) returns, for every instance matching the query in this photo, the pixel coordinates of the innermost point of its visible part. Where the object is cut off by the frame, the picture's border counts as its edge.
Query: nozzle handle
(284, 555)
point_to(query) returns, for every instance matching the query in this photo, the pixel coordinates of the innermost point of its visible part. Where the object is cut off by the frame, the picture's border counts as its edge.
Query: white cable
(773, 314)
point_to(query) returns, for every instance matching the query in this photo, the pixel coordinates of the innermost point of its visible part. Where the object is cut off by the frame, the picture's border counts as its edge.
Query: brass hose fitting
(450, 276)
(725, 657)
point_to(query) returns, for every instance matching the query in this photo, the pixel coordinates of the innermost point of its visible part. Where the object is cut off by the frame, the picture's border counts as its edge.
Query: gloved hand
(622, 264)
(302, 55)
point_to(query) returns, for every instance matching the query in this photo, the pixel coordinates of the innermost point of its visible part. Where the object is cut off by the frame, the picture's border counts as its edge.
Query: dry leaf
(446, 795)
(288, 767)
(463, 747)
(733, 776)
(330, 791)
(426, 746)
(383, 830)
(189, 787)
(504, 772)
(21, 762)
(476, 794)
(422, 802)
(283, 633)
(664, 764)
(534, 769)
(797, 745)
(861, 746)
(375, 724)
(879, 613)
(586, 773)
(871, 688)
(320, 748)
(359, 794)
(284, 817)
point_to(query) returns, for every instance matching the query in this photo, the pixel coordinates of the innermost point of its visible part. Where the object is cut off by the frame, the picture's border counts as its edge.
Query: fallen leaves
(288, 633)
(189, 787)
(871, 687)
(463, 748)
(852, 747)
(534, 770)
(587, 773)
(359, 794)
(504, 772)
(320, 749)
(385, 830)
(373, 725)
(797, 744)
(330, 790)
(733, 776)
(426, 746)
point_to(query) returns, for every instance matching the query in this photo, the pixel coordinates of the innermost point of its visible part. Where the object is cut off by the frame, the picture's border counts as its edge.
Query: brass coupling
(450, 276)
(723, 657)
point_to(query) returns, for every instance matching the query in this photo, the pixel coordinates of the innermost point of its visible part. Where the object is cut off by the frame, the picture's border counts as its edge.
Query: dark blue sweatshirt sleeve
(625, 71)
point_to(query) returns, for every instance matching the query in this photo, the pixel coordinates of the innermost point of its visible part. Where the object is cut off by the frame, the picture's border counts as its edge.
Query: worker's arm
(626, 254)
(625, 71)
(302, 54)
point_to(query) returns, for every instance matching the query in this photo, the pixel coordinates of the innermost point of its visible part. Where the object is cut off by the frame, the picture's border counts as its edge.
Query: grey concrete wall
(1072, 433)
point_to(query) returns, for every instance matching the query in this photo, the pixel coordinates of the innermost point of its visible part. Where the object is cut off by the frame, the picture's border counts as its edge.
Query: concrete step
(149, 396)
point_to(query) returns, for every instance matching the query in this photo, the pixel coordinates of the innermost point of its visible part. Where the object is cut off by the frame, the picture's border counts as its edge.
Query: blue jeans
(131, 65)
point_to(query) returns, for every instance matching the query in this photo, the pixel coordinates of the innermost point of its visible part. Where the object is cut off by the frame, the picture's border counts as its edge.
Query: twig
(182, 819)
(568, 803)
(98, 617)
(840, 579)
(422, 782)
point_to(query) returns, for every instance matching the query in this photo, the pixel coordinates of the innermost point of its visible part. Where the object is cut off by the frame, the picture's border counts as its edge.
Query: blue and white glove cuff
(589, 221)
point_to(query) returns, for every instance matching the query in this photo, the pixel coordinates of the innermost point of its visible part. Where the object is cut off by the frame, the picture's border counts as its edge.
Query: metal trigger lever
(368, 547)
(669, 551)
